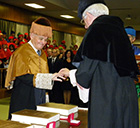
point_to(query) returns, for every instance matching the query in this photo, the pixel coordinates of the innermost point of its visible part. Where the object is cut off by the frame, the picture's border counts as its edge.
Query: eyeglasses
(82, 21)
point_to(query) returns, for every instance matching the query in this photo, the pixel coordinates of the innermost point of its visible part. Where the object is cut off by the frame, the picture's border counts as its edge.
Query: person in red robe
(6, 50)
(20, 38)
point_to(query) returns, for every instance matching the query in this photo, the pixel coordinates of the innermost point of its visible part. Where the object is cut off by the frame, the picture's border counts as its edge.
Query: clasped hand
(61, 75)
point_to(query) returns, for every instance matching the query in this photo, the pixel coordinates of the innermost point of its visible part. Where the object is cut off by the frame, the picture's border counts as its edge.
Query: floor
(4, 108)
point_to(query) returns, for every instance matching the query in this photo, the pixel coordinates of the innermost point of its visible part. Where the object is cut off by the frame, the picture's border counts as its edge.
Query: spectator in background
(13, 34)
(75, 47)
(55, 64)
(131, 32)
(61, 52)
(45, 49)
(54, 44)
(58, 52)
(4, 36)
(2, 63)
(7, 53)
(63, 44)
(11, 39)
(12, 48)
(67, 86)
(49, 53)
(2, 55)
(16, 42)
(6, 50)
(26, 37)
(20, 40)
(48, 43)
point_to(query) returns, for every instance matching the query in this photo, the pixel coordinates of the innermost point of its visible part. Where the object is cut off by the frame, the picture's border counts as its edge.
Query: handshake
(61, 75)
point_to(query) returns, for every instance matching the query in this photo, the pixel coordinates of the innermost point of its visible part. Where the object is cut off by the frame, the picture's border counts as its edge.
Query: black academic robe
(25, 95)
(106, 65)
(112, 99)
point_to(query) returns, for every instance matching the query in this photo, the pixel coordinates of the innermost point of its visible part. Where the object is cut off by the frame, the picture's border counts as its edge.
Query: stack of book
(67, 112)
(34, 117)
(13, 124)
(63, 109)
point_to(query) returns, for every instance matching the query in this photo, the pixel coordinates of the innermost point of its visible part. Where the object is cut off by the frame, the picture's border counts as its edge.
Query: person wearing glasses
(28, 73)
(106, 69)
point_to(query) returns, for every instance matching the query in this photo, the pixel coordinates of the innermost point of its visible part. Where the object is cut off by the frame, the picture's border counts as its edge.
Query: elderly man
(106, 68)
(28, 72)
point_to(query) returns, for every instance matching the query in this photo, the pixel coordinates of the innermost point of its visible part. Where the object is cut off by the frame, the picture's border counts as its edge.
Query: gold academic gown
(24, 65)
(26, 61)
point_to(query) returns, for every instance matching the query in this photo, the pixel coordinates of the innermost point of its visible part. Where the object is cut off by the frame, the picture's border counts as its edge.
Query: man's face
(54, 53)
(49, 52)
(131, 38)
(38, 41)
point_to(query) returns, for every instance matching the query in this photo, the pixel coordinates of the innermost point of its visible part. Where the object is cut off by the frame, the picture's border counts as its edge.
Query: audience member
(55, 64)
(48, 43)
(67, 86)
(11, 39)
(75, 49)
(63, 44)
(49, 53)
(2, 56)
(6, 50)
(20, 40)
(13, 34)
(131, 32)
(54, 44)
(12, 48)
(26, 37)
(61, 54)
(5, 36)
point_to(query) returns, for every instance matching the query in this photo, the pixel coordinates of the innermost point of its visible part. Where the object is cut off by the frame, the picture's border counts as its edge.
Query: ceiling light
(67, 16)
(128, 17)
(34, 5)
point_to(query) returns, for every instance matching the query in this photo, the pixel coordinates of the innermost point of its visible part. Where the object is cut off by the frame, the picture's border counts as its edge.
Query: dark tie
(39, 52)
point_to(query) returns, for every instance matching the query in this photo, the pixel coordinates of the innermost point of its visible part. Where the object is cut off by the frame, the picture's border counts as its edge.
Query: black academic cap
(83, 4)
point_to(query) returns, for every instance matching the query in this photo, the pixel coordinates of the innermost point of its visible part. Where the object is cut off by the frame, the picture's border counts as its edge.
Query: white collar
(32, 46)
(54, 58)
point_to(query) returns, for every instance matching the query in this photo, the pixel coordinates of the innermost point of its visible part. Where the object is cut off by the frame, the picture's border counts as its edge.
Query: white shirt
(83, 92)
(33, 46)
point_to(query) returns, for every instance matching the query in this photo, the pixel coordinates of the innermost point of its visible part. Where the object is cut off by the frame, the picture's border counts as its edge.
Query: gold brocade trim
(39, 64)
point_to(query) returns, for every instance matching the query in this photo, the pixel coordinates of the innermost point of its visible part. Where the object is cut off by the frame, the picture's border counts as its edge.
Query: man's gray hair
(97, 10)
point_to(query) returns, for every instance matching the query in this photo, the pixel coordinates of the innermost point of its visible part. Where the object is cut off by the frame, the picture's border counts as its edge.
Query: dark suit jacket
(56, 66)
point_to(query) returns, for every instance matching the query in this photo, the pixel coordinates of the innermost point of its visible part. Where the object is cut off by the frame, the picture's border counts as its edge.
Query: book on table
(13, 124)
(34, 117)
(63, 109)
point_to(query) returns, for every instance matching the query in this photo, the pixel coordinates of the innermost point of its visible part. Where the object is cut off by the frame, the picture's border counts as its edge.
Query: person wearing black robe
(106, 69)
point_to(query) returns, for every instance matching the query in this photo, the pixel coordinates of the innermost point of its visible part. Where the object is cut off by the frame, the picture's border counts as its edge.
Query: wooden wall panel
(15, 14)
(138, 35)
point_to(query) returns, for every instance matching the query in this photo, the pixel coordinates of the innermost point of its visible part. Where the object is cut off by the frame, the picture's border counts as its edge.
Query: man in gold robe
(28, 74)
